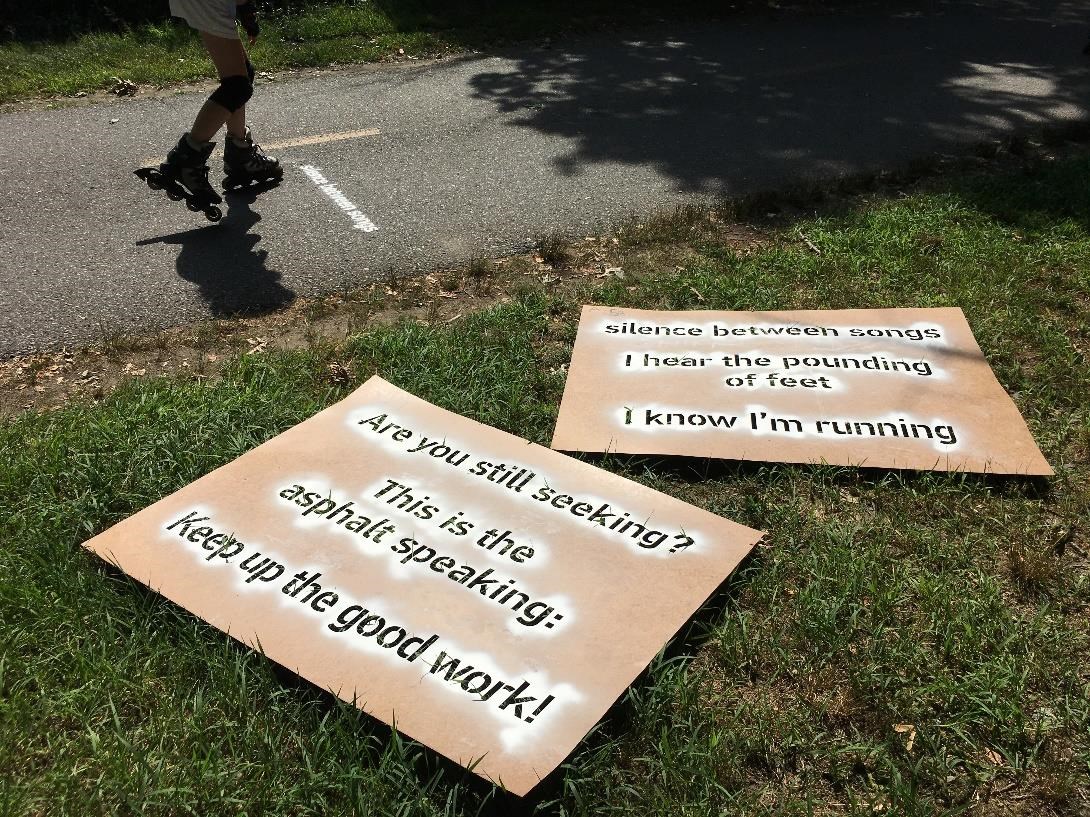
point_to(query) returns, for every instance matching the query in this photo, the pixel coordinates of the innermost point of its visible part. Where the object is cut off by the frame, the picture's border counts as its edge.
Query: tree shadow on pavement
(224, 262)
(750, 103)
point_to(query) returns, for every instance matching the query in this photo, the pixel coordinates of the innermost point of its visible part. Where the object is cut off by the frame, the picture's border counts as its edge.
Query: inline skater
(185, 170)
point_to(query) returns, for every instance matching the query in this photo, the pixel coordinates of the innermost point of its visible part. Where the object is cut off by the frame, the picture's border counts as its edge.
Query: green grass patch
(75, 52)
(902, 644)
(170, 53)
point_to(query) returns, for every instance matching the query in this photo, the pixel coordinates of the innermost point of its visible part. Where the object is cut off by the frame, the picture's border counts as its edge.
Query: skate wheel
(213, 214)
(174, 196)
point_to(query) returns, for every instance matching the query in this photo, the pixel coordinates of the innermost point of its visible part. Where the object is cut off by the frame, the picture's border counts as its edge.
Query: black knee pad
(233, 92)
(250, 72)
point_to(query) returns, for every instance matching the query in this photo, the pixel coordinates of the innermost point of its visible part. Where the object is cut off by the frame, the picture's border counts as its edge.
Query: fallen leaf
(909, 730)
(339, 374)
(122, 87)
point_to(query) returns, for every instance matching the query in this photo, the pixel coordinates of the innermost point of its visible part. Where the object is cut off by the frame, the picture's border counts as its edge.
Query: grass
(903, 643)
(67, 61)
(170, 53)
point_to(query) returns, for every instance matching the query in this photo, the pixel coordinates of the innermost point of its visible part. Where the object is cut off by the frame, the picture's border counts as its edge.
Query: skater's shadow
(224, 262)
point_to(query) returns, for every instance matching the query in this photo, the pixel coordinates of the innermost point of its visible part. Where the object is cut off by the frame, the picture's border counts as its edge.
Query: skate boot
(184, 175)
(245, 163)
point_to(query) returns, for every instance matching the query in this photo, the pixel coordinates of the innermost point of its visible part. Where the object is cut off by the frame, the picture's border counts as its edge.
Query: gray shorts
(216, 17)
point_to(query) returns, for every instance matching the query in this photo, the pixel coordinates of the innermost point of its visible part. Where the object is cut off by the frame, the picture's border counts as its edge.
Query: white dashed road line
(359, 220)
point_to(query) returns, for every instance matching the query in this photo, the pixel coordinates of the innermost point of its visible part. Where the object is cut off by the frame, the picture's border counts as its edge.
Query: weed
(555, 251)
(479, 269)
(673, 225)
(450, 281)
(117, 344)
(1034, 570)
(207, 334)
(318, 309)
(521, 265)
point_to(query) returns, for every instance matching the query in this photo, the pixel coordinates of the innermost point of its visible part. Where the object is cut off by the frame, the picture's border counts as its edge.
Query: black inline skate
(245, 164)
(184, 175)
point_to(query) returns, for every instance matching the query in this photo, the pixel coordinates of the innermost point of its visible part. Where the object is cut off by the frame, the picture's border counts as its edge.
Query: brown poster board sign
(891, 388)
(490, 597)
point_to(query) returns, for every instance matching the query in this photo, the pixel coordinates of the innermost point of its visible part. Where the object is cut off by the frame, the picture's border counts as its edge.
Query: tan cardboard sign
(488, 596)
(892, 388)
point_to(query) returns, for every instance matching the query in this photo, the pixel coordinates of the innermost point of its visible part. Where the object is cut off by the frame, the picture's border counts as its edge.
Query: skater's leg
(243, 160)
(187, 163)
(236, 124)
(231, 64)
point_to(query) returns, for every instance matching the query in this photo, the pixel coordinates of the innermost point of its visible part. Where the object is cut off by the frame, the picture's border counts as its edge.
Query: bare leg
(236, 125)
(229, 57)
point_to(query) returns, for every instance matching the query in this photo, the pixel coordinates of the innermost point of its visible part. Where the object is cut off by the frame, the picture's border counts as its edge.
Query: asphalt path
(480, 155)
